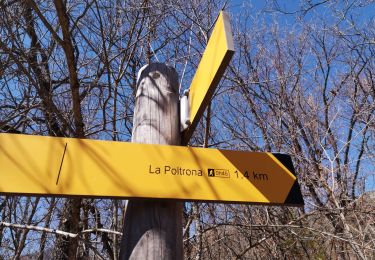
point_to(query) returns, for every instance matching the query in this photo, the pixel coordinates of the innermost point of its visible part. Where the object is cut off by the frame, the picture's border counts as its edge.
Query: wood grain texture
(153, 229)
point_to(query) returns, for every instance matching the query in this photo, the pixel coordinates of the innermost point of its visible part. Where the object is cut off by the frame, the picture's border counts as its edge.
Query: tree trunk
(153, 229)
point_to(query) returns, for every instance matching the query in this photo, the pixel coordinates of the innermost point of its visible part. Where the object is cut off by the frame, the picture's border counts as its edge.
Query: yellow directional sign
(37, 165)
(215, 59)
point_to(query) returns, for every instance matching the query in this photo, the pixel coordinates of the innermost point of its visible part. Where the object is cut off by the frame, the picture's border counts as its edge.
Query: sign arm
(215, 59)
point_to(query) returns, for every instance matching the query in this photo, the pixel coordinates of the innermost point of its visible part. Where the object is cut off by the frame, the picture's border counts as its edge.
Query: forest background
(302, 82)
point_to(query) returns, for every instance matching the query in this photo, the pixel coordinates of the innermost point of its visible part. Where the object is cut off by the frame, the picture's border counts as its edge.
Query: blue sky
(331, 14)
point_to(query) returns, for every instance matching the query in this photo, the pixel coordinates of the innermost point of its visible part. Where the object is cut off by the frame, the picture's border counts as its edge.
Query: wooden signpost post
(153, 228)
(153, 166)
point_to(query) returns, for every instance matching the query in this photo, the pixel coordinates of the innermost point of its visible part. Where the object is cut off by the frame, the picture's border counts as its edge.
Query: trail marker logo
(222, 173)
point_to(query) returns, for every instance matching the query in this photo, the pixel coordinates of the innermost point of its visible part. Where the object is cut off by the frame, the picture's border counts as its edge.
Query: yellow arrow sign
(215, 59)
(80, 167)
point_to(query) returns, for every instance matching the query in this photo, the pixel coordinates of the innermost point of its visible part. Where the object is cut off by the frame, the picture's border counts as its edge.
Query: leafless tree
(301, 82)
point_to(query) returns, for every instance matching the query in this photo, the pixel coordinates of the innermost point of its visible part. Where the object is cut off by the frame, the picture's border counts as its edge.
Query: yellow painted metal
(68, 166)
(215, 59)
